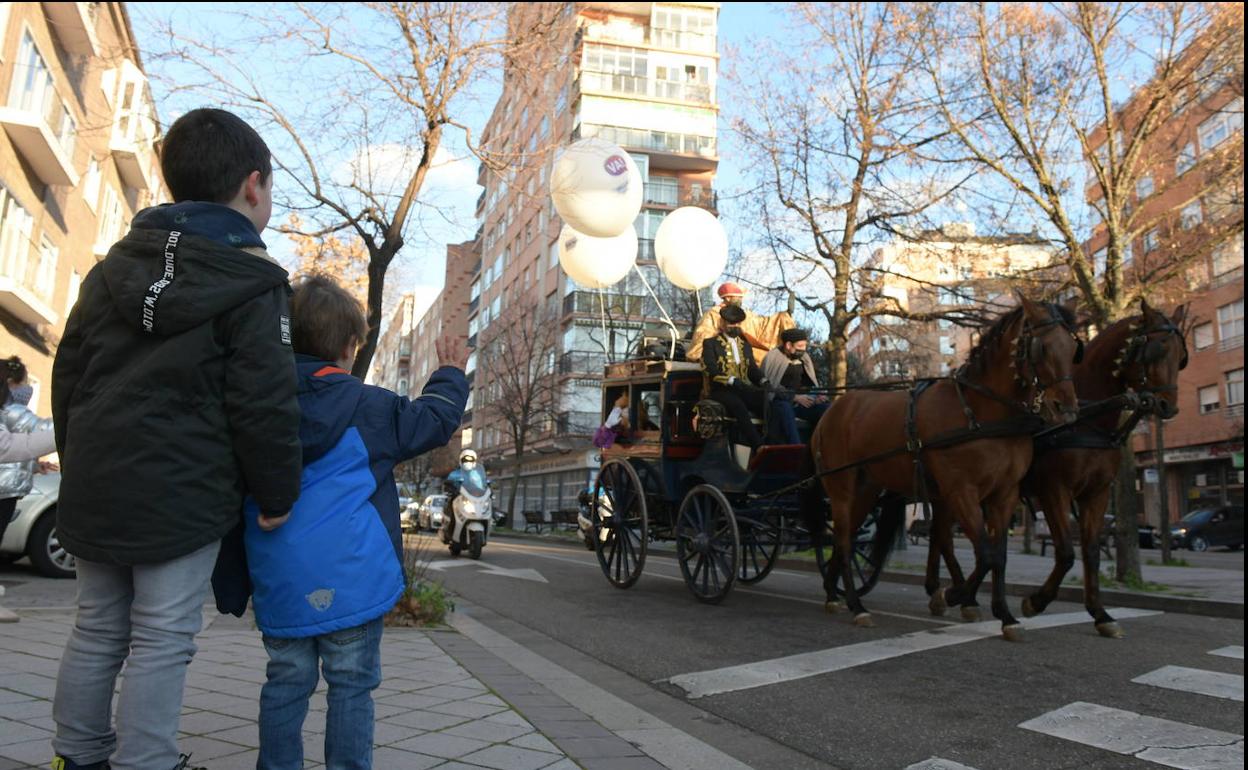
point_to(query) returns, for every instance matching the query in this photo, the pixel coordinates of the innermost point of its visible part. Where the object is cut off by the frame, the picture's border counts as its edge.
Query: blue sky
(420, 265)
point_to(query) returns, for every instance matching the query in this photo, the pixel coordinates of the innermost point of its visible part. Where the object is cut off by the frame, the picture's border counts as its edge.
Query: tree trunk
(1126, 519)
(378, 261)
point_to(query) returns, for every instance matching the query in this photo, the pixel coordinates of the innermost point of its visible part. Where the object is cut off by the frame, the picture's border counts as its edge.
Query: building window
(1219, 128)
(16, 228)
(1151, 240)
(91, 185)
(33, 91)
(1228, 256)
(1231, 323)
(1235, 387)
(112, 221)
(71, 294)
(1191, 215)
(1208, 399)
(1185, 160)
(45, 278)
(554, 253)
(1202, 336)
(1144, 187)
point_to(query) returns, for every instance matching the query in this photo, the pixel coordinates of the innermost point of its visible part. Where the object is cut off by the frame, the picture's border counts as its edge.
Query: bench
(535, 521)
(1046, 540)
(564, 519)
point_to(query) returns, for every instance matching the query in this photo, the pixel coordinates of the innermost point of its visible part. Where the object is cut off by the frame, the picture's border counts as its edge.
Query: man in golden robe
(762, 332)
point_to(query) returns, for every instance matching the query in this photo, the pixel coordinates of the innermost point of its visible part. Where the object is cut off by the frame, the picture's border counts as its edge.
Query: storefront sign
(1150, 476)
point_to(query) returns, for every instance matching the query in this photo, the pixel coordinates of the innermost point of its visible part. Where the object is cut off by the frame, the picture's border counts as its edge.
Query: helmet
(730, 290)
(467, 456)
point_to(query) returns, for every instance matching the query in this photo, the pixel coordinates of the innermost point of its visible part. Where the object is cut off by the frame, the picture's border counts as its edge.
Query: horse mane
(1110, 341)
(977, 360)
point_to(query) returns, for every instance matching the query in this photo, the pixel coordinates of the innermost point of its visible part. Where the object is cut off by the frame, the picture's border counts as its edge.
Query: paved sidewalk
(431, 711)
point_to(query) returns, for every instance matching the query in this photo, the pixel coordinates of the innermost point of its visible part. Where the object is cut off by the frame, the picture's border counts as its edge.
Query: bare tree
(387, 81)
(835, 142)
(516, 378)
(1030, 92)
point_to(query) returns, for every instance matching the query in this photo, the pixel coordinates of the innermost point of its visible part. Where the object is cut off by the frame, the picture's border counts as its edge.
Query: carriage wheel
(620, 526)
(866, 565)
(707, 543)
(760, 545)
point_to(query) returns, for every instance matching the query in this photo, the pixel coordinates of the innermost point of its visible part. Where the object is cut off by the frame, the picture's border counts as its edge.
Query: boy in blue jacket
(323, 579)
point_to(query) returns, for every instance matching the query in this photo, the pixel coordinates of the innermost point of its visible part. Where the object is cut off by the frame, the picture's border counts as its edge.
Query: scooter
(471, 511)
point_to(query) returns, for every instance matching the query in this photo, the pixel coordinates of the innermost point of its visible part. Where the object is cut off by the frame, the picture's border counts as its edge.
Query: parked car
(32, 531)
(431, 512)
(409, 513)
(1206, 528)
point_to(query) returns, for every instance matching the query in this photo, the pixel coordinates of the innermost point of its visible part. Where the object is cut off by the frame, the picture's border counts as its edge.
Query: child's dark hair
(207, 154)
(11, 370)
(325, 318)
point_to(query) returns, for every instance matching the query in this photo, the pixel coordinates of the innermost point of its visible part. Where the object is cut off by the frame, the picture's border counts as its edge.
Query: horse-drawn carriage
(677, 478)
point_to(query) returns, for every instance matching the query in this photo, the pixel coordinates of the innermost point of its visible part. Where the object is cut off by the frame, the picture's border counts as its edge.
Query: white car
(408, 516)
(431, 512)
(32, 532)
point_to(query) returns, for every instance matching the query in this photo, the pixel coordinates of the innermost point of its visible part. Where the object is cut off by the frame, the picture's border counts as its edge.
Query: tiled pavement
(431, 712)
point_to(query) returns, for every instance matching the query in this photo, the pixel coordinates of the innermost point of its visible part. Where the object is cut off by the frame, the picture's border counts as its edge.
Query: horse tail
(890, 522)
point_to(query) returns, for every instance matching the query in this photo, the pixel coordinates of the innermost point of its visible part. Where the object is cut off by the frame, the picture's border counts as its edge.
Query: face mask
(733, 332)
(21, 394)
(796, 357)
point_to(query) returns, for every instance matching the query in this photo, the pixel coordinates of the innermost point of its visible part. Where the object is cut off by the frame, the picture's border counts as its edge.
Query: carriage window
(649, 410)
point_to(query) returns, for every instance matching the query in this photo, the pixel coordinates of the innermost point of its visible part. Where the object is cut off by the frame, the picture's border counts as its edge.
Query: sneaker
(184, 763)
(61, 763)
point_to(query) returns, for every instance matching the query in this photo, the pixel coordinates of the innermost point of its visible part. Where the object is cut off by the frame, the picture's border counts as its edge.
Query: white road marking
(489, 569)
(818, 602)
(1234, 651)
(767, 672)
(936, 763)
(1211, 683)
(1160, 741)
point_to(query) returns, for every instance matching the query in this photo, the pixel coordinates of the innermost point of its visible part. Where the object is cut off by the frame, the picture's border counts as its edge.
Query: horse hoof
(1012, 633)
(937, 604)
(1110, 630)
(1029, 610)
(833, 607)
(863, 620)
(971, 614)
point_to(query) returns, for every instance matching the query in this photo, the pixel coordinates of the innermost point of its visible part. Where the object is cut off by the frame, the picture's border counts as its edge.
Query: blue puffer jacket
(337, 562)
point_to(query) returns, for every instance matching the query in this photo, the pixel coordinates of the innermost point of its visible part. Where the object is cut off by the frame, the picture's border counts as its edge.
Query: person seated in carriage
(732, 377)
(789, 365)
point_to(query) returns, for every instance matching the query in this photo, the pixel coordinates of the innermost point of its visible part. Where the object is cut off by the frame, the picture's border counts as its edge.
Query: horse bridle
(1141, 351)
(1030, 350)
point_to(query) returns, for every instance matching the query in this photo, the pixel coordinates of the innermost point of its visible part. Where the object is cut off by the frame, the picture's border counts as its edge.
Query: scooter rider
(467, 466)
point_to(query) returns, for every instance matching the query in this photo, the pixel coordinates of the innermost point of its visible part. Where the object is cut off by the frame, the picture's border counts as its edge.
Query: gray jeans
(147, 617)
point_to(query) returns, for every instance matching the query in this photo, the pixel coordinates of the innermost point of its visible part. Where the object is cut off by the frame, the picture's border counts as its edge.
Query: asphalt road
(961, 702)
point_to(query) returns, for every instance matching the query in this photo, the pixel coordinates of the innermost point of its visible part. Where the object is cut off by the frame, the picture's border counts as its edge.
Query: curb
(1180, 604)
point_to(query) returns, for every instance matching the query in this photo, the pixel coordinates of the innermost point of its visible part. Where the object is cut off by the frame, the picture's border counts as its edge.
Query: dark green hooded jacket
(173, 390)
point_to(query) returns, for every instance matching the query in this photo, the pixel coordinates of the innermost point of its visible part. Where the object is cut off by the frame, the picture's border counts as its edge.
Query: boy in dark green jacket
(173, 395)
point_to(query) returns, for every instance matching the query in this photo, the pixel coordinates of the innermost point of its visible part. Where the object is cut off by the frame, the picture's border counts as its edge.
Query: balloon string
(668, 319)
(602, 316)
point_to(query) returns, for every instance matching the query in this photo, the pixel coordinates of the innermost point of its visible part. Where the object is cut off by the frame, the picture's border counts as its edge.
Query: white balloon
(691, 247)
(596, 263)
(596, 187)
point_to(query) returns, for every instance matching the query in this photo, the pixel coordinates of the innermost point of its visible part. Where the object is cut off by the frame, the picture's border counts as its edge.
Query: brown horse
(972, 432)
(1077, 466)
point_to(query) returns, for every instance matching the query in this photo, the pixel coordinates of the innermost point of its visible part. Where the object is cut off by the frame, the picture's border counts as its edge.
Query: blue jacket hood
(328, 397)
(213, 221)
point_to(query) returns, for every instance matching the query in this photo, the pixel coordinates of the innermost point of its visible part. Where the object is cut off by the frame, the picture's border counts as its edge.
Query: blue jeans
(351, 660)
(784, 414)
(145, 616)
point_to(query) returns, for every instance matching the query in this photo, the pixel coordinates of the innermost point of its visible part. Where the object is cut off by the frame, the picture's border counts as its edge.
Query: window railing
(669, 194)
(654, 141)
(1234, 412)
(615, 304)
(645, 250)
(576, 423)
(1231, 343)
(1230, 276)
(637, 85)
(581, 362)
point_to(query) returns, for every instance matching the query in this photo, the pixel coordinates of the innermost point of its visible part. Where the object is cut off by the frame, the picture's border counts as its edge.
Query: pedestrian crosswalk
(1151, 739)
(1160, 741)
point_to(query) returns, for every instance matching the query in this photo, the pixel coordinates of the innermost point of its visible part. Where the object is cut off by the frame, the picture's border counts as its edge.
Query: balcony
(617, 305)
(645, 249)
(473, 304)
(1234, 412)
(640, 34)
(683, 152)
(1231, 343)
(74, 26)
(582, 362)
(133, 158)
(42, 130)
(669, 194)
(576, 423)
(1230, 276)
(614, 84)
(26, 284)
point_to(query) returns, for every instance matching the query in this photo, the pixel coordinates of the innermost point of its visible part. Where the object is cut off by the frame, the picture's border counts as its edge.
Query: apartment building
(1204, 444)
(642, 75)
(77, 160)
(392, 361)
(944, 270)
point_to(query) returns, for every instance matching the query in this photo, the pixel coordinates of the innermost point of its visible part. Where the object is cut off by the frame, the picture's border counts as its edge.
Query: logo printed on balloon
(615, 165)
